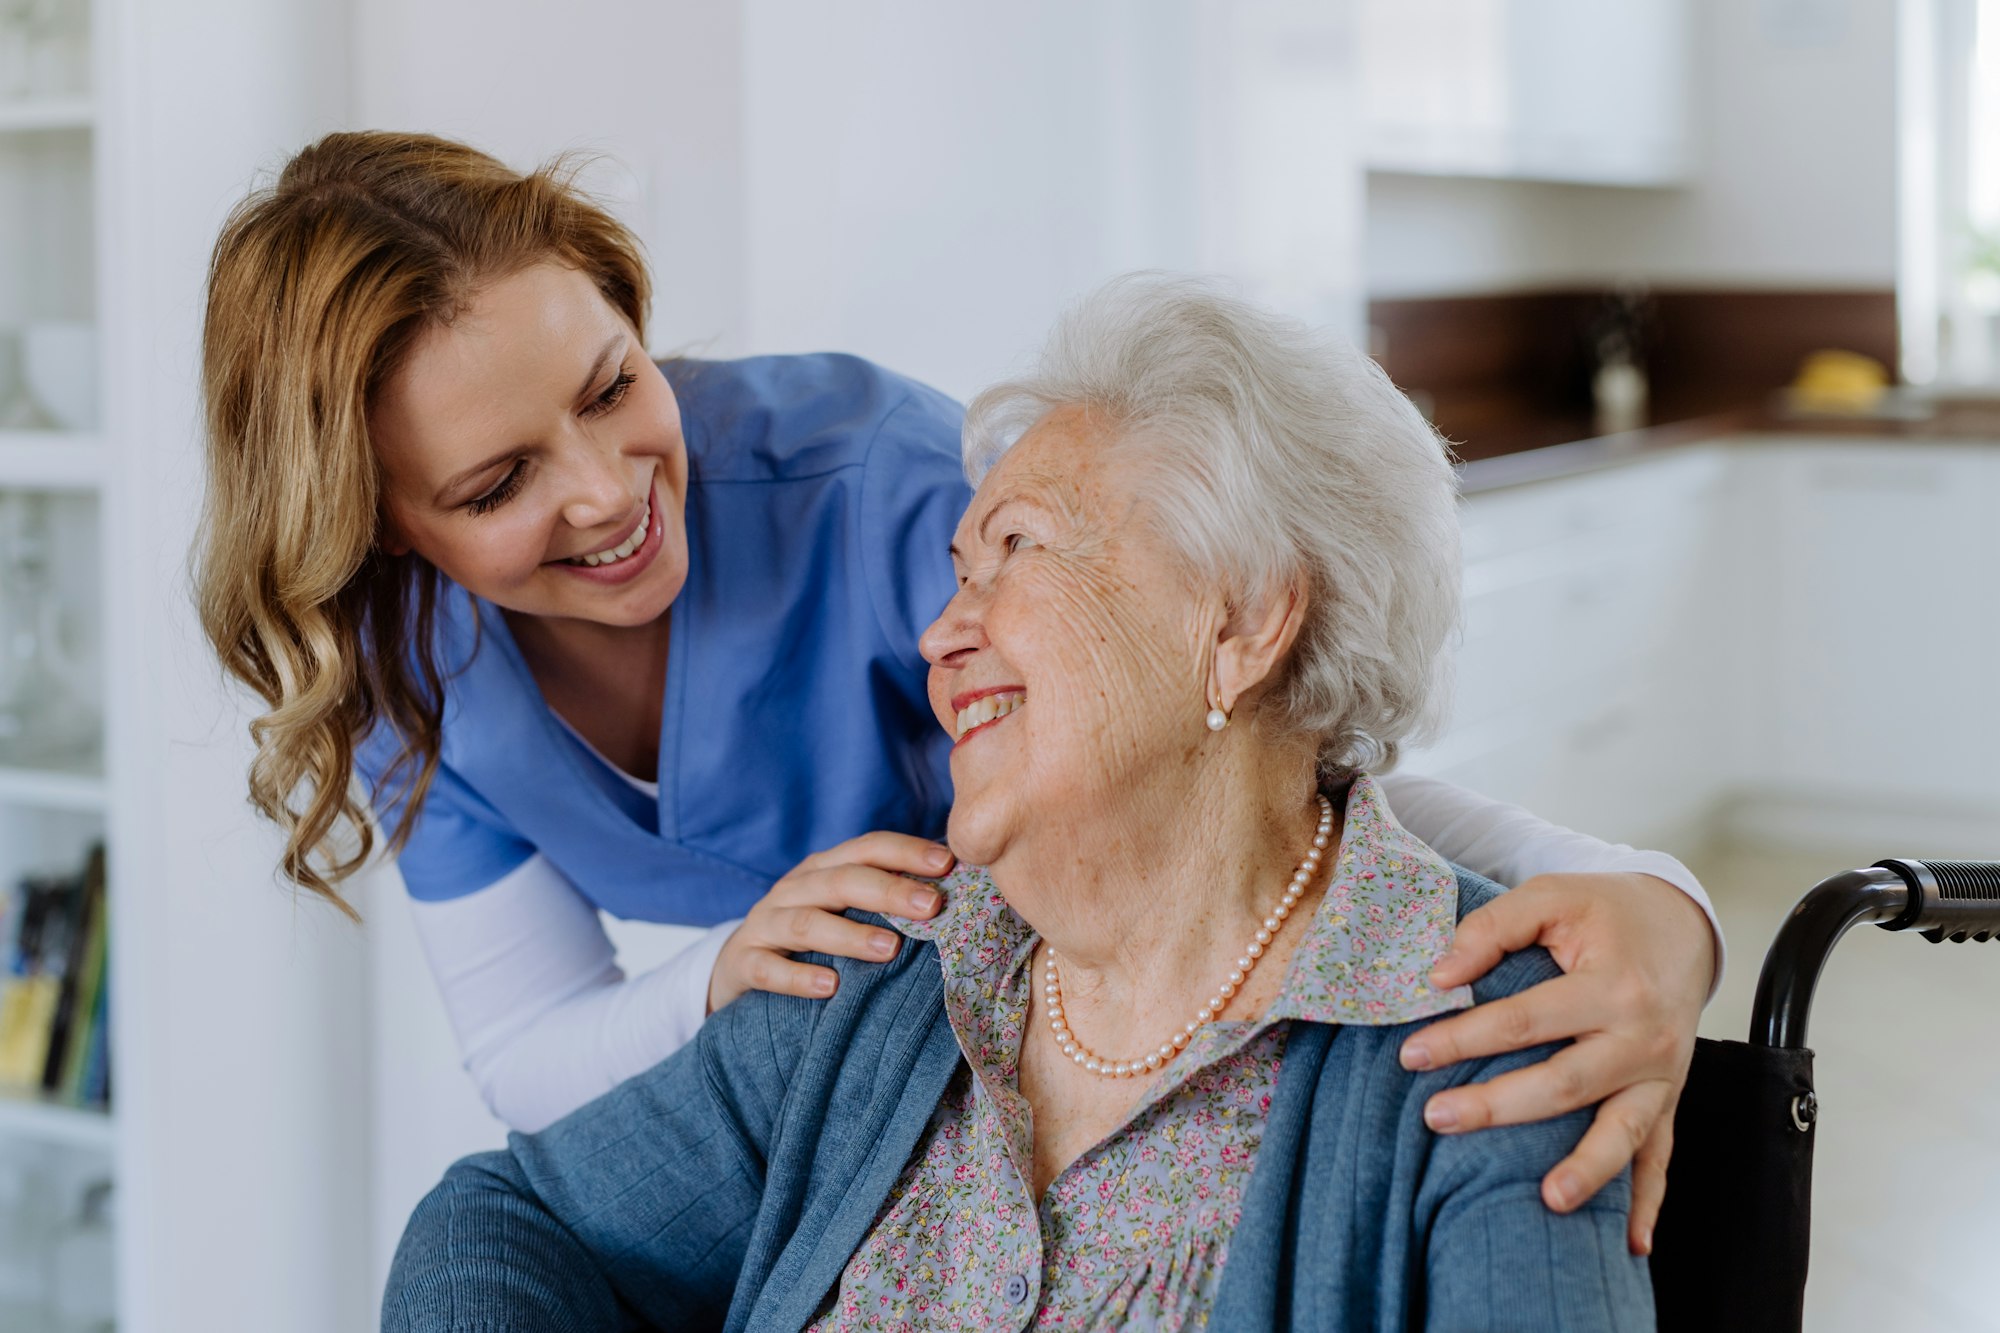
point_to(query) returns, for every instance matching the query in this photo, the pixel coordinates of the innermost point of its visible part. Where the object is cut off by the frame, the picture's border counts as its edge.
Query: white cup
(60, 361)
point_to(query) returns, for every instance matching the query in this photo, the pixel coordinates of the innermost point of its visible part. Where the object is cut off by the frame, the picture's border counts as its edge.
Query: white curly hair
(1274, 454)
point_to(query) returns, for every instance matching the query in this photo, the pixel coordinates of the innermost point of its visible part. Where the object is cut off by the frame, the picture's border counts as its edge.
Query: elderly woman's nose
(959, 629)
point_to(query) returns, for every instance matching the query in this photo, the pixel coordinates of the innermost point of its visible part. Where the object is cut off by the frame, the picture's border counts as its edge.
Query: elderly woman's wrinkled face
(1070, 665)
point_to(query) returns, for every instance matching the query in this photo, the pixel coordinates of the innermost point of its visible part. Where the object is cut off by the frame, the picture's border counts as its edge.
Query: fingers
(756, 956)
(838, 887)
(1649, 1185)
(812, 930)
(1511, 922)
(1550, 1011)
(897, 852)
(745, 965)
(1622, 1125)
(1578, 1075)
(802, 914)
(767, 971)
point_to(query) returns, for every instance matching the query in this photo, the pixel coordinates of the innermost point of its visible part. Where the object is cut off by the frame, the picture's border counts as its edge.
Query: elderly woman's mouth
(986, 708)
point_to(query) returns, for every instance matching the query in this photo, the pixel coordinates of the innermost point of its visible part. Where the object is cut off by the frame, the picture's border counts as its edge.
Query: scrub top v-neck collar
(588, 769)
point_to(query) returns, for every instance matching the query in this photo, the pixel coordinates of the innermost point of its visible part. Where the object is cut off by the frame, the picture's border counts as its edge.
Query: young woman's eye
(612, 396)
(509, 487)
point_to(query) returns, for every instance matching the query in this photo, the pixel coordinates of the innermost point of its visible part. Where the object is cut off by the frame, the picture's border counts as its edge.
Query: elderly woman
(1142, 1068)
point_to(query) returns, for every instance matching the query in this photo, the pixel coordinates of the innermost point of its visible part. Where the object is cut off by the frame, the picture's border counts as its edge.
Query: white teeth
(622, 549)
(981, 711)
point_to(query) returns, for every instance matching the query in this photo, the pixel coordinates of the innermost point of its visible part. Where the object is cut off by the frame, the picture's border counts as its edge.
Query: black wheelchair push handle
(1950, 900)
(1946, 900)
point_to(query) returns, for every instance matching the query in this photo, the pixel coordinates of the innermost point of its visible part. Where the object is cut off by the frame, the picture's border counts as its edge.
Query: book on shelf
(54, 991)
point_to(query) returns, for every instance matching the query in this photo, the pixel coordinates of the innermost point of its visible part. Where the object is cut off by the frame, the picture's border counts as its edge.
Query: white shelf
(64, 113)
(51, 460)
(25, 1116)
(48, 790)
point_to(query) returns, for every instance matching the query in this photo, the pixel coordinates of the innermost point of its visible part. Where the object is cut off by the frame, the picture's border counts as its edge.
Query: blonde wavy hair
(318, 287)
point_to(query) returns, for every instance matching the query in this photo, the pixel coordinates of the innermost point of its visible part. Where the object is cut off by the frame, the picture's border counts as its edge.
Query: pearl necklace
(1096, 1064)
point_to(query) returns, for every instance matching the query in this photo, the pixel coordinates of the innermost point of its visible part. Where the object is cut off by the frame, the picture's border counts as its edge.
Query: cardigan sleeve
(1499, 1259)
(637, 1206)
(1495, 1257)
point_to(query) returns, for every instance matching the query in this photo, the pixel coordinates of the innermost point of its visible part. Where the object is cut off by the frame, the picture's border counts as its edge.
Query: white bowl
(59, 362)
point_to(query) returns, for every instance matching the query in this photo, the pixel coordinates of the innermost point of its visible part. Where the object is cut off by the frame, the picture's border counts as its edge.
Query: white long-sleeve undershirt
(547, 1020)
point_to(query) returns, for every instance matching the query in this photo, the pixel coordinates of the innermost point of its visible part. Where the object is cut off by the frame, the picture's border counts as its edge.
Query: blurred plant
(42, 721)
(1623, 326)
(1980, 278)
(43, 48)
(1982, 254)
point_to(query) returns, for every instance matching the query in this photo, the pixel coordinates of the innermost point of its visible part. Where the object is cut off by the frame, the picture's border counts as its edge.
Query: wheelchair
(1730, 1247)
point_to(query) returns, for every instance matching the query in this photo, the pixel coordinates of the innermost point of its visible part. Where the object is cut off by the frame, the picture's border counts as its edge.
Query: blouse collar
(1389, 913)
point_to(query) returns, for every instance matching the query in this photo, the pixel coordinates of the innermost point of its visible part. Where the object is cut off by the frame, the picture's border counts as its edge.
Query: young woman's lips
(633, 565)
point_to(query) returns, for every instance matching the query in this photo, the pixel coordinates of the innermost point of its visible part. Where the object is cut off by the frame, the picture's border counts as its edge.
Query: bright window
(1949, 212)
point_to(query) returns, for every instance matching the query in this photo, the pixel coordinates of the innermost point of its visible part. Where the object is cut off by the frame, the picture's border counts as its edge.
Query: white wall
(652, 86)
(923, 184)
(1449, 235)
(1794, 182)
(929, 184)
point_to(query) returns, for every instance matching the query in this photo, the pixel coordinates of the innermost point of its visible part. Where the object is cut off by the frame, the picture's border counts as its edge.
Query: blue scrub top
(822, 496)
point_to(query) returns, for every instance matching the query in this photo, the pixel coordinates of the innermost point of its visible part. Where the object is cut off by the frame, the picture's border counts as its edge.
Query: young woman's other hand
(1638, 957)
(802, 914)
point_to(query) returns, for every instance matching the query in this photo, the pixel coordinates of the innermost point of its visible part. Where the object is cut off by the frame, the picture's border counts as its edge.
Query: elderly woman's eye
(1018, 541)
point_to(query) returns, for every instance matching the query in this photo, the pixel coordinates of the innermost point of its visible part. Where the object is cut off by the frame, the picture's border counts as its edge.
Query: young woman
(597, 634)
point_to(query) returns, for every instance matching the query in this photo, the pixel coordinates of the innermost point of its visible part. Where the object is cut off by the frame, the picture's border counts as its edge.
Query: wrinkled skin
(1067, 592)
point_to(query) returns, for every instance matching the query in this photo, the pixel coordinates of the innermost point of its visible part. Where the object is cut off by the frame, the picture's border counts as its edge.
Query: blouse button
(1016, 1289)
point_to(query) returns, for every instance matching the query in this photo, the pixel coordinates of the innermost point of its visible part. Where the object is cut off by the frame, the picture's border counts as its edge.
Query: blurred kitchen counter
(1507, 377)
(1550, 448)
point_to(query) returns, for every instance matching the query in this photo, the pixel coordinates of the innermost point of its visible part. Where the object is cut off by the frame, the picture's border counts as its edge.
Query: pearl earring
(1217, 719)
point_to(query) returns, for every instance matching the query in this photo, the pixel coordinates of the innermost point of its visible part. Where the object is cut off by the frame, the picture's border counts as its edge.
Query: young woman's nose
(959, 629)
(599, 482)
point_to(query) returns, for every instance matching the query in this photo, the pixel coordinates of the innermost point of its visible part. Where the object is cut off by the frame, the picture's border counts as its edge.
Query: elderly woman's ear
(1251, 645)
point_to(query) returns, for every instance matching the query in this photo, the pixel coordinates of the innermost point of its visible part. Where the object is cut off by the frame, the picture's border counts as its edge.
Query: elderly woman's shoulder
(1517, 971)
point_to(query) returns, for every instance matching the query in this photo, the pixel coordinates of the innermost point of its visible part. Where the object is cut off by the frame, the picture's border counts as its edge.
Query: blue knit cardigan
(727, 1187)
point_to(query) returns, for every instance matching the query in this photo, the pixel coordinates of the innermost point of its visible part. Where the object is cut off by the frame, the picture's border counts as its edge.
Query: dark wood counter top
(1974, 422)
(1507, 377)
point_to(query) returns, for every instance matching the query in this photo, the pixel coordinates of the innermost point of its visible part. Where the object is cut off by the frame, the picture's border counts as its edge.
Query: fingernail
(1415, 1056)
(884, 945)
(1645, 1241)
(824, 983)
(939, 859)
(1565, 1190)
(923, 902)
(1440, 1116)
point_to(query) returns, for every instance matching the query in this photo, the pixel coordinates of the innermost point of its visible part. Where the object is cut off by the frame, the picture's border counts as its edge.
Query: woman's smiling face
(1070, 663)
(532, 452)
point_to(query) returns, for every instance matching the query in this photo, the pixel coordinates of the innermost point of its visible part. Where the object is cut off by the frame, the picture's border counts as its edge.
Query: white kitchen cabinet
(1886, 626)
(1796, 636)
(1589, 676)
(1554, 90)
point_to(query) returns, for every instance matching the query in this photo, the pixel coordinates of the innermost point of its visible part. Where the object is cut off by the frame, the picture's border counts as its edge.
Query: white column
(240, 1079)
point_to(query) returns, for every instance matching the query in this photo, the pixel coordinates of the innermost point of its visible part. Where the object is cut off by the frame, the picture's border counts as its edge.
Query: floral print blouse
(1133, 1233)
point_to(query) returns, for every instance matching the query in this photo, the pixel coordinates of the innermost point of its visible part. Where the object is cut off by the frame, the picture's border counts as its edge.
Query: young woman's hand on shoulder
(802, 914)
